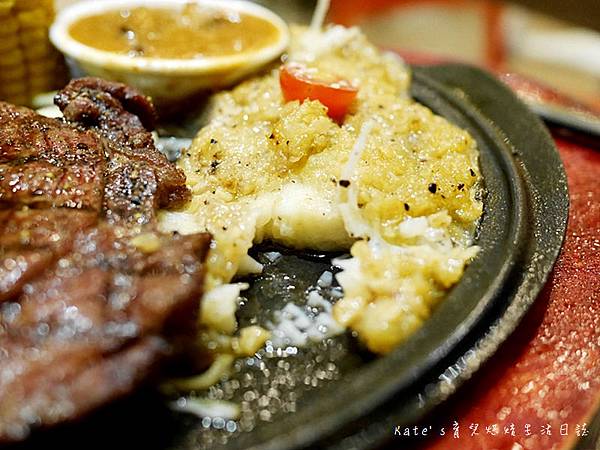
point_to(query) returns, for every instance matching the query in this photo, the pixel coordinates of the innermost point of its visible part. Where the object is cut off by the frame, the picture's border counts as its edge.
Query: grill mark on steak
(48, 163)
(122, 116)
(31, 240)
(92, 297)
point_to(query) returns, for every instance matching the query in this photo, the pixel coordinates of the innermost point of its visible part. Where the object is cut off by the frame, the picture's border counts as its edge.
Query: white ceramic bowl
(165, 80)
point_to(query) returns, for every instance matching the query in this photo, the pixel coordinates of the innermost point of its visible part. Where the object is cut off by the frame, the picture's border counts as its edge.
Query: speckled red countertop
(547, 375)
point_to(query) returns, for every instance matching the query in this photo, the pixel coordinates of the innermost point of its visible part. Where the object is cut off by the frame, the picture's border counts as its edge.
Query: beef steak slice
(93, 299)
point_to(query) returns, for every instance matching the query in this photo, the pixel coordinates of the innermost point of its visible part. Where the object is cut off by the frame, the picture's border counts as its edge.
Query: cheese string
(318, 18)
(355, 224)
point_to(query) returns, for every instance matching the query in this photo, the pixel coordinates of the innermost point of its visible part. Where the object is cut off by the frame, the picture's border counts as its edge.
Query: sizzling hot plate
(358, 398)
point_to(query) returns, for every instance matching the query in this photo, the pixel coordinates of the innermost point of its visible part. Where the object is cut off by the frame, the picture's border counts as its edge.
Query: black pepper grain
(344, 183)
(406, 207)
(432, 188)
(213, 166)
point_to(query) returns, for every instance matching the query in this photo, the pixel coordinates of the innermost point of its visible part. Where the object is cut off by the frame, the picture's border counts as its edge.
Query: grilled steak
(92, 297)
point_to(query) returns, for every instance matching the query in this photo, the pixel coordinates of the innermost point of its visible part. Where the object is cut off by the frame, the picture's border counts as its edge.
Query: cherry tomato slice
(297, 83)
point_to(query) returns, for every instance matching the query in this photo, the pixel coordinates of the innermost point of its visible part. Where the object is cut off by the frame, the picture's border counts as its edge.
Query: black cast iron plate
(343, 397)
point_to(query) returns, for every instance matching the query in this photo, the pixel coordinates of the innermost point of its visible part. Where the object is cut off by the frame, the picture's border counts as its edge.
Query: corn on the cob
(29, 64)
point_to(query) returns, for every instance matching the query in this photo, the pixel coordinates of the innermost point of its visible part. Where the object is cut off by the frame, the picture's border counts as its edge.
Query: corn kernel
(9, 43)
(12, 73)
(21, 5)
(37, 51)
(6, 6)
(11, 58)
(32, 19)
(8, 26)
(41, 67)
(33, 36)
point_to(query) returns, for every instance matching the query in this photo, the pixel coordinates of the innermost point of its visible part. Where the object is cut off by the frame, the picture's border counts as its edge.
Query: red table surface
(542, 387)
(547, 373)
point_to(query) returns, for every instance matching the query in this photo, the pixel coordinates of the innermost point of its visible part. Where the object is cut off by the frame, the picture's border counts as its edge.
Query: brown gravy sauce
(189, 32)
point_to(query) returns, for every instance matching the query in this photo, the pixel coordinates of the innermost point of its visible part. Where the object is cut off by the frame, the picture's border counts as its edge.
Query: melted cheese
(265, 169)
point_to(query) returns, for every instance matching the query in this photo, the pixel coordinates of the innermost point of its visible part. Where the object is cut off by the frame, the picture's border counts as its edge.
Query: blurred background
(556, 42)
